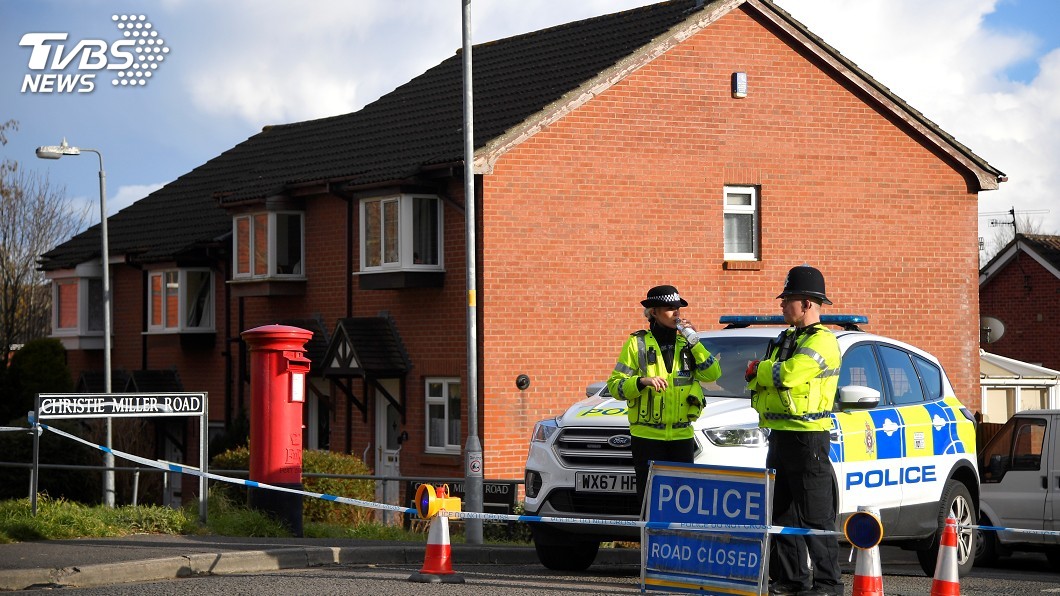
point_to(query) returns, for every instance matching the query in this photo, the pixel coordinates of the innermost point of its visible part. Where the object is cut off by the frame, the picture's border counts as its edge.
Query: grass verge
(59, 519)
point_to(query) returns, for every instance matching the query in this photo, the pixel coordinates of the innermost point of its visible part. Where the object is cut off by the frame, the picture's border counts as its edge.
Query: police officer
(658, 375)
(793, 390)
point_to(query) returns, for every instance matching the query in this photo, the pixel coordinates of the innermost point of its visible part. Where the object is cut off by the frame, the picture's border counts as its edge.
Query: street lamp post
(55, 152)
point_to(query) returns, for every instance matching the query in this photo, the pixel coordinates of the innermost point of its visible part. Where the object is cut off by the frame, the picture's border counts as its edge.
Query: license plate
(596, 482)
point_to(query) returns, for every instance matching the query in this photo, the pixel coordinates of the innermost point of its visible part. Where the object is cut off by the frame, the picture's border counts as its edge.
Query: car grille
(565, 500)
(589, 449)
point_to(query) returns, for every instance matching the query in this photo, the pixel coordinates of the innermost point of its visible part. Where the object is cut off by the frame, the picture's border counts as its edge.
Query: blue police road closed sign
(729, 557)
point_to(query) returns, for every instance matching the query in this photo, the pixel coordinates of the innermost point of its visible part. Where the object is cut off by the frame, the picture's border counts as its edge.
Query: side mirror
(858, 397)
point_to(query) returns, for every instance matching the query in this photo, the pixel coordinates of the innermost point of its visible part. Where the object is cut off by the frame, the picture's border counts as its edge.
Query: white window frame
(752, 210)
(452, 445)
(406, 239)
(183, 301)
(272, 253)
(85, 275)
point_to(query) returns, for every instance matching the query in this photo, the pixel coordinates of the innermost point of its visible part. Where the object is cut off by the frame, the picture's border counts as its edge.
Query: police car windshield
(734, 352)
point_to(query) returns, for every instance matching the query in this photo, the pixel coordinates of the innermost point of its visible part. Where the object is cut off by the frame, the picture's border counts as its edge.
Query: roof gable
(1044, 249)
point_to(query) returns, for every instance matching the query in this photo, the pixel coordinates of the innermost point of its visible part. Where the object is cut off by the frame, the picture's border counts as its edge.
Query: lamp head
(57, 151)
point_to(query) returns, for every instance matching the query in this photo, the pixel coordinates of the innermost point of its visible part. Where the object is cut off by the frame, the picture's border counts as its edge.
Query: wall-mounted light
(739, 85)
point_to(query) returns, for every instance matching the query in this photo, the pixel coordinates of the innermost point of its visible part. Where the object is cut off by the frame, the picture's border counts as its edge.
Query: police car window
(859, 368)
(930, 376)
(901, 376)
(734, 352)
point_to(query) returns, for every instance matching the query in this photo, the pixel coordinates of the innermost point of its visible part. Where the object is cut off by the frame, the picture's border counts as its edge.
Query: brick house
(709, 145)
(1019, 288)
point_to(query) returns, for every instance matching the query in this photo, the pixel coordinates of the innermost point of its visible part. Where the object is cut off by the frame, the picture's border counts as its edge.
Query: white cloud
(942, 59)
(127, 195)
(288, 62)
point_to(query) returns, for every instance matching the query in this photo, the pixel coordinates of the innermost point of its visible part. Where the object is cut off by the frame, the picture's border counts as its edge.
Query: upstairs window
(269, 245)
(741, 223)
(401, 232)
(77, 306)
(180, 300)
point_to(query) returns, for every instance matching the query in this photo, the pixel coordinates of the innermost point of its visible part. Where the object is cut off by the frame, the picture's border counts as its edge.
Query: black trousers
(803, 497)
(647, 450)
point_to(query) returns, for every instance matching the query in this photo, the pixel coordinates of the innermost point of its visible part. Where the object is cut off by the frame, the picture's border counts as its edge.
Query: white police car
(901, 442)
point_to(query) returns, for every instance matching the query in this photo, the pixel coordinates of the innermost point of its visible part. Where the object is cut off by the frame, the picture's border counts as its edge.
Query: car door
(1052, 478)
(865, 442)
(1015, 478)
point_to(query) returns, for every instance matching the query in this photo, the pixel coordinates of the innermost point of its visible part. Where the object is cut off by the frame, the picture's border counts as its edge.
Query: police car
(900, 442)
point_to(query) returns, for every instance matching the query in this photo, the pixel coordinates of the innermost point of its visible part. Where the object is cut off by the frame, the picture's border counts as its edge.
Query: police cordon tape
(755, 529)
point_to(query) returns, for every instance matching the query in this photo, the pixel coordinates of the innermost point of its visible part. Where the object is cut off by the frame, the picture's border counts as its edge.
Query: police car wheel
(562, 552)
(956, 503)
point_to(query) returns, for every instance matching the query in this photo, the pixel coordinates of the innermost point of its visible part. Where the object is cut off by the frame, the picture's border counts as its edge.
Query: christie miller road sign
(53, 406)
(116, 405)
(706, 561)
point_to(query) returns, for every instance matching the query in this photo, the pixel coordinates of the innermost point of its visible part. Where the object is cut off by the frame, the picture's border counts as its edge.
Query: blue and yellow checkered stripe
(921, 430)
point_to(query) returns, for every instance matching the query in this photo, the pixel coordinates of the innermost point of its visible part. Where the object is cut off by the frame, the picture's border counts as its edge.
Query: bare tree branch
(34, 218)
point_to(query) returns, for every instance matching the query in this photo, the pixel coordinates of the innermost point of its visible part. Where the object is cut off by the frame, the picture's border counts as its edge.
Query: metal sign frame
(77, 406)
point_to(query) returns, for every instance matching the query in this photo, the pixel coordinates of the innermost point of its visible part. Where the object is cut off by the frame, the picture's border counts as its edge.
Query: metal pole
(33, 475)
(473, 463)
(108, 457)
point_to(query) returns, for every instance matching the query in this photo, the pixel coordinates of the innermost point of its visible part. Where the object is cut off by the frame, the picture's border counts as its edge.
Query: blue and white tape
(500, 517)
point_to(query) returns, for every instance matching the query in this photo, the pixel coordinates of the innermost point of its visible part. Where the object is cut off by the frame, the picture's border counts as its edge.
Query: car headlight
(543, 430)
(737, 436)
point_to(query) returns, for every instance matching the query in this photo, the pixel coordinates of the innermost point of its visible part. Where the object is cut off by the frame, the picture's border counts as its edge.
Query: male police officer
(794, 388)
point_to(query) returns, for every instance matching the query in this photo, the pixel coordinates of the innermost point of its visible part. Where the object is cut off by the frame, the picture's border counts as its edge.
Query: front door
(387, 432)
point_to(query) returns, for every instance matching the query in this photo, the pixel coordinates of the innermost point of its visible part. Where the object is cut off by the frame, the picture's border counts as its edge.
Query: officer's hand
(752, 370)
(656, 383)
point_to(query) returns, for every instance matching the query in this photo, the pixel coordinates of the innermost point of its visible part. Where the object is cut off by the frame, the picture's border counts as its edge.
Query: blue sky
(987, 71)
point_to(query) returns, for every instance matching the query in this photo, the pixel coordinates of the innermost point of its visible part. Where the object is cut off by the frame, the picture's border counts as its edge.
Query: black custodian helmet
(805, 281)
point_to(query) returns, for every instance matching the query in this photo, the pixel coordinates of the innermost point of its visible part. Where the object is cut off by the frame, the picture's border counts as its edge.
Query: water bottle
(688, 332)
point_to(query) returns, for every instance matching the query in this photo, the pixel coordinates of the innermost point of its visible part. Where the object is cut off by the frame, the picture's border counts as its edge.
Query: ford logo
(619, 441)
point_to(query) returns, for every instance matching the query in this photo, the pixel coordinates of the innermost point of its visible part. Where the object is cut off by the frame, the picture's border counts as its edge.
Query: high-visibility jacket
(662, 415)
(795, 391)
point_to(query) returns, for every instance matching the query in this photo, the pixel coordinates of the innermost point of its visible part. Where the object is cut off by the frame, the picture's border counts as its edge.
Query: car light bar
(848, 322)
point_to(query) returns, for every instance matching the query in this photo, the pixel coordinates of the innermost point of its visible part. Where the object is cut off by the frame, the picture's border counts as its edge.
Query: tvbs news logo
(133, 58)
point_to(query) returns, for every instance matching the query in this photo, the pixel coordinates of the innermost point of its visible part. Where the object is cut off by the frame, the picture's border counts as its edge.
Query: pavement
(93, 562)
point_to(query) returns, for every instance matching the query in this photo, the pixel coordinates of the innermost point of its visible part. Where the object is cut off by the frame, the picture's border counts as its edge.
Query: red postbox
(278, 368)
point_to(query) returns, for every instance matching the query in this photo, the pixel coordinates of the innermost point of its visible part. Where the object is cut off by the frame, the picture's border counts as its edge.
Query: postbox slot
(296, 362)
(297, 367)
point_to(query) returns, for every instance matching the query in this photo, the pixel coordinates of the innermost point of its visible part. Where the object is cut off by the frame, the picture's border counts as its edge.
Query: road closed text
(704, 554)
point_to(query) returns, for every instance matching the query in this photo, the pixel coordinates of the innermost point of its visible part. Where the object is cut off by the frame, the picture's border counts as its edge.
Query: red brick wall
(627, 193)
(1023, 296)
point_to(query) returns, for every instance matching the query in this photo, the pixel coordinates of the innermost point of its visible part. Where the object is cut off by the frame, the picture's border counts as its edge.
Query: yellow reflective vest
(795, 391)
(667, 415)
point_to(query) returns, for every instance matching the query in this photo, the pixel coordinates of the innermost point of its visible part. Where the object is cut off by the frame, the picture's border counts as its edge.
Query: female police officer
(658, 375)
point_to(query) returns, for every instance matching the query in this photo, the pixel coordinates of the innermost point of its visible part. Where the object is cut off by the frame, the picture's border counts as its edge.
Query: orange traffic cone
(868, 576)
(438, 562)
(946, 582)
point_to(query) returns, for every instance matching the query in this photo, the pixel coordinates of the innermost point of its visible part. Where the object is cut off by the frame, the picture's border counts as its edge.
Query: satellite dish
(990, 330)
